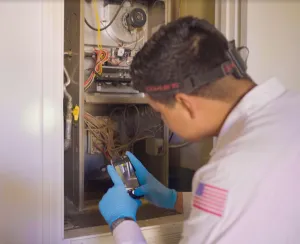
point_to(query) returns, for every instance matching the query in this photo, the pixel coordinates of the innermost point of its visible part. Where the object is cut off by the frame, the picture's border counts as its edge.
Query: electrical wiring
(113, 61)
(121, 148)
(137, 40)
(68, 115)
(171, 136)
(154, 129)
(106, 134)
(124, 147)
(134, 140)
(157, 1)
(183, 144)
(110, 22)
(103, 130)
(122, 62)
(180, 145)
(102, 28)
(98, 24)
(102, 56)
(120, 44)
(138, 116)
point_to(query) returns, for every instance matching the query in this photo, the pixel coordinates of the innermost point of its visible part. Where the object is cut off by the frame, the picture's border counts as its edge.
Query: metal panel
(97, 98)
(76, 36)
(74, 41)
(157, 165)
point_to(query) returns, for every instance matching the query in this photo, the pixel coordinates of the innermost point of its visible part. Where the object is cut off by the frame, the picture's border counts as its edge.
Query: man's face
(183, 117)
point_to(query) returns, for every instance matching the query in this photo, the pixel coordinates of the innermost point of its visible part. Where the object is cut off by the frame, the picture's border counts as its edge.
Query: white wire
(136, 41)
(179, 145)
(122, 44)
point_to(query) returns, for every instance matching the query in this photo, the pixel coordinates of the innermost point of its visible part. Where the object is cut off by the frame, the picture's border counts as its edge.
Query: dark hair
(183, 48)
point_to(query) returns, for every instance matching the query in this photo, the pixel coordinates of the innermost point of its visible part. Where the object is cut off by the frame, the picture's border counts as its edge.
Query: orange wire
(101, 57)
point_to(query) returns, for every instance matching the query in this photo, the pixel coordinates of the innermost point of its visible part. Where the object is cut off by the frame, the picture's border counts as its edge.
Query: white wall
(21, 127)
(273, 37)
(31, 125)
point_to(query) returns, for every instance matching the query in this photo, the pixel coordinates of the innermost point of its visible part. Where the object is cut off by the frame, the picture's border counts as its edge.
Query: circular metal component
(119, 29)
(137, 18)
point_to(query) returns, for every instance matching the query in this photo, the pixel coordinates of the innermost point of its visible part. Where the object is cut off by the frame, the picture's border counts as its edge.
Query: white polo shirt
(249, 192)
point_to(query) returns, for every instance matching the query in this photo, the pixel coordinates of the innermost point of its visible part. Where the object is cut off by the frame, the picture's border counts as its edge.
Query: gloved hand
(116, 203)
(151, 188)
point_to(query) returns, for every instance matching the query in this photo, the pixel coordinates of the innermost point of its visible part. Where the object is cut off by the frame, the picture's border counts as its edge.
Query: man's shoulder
(288, 102)
(272, 128)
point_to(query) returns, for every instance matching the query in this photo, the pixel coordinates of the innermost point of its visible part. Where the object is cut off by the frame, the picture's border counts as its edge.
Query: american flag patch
(210, 199)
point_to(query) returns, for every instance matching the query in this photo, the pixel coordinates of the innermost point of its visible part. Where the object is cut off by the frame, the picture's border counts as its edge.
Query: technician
(249, 192)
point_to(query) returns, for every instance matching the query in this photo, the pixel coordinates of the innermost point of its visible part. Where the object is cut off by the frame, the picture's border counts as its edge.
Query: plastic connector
(121, 52)
(75, 113)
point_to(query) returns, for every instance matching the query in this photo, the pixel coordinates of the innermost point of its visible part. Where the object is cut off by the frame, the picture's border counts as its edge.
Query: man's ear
(187, 103)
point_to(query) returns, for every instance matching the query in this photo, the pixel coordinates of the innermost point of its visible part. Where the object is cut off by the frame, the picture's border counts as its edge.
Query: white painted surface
(31, 68)
(227, 18)
(21, 127)
(273, 37)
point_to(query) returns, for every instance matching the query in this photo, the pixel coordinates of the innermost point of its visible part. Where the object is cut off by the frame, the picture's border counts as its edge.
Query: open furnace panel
(104, 115)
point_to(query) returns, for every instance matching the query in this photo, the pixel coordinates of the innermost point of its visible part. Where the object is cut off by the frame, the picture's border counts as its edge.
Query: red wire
(99, 61)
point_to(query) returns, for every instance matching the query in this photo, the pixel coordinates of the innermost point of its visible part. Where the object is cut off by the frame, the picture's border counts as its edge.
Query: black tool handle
(131, 193)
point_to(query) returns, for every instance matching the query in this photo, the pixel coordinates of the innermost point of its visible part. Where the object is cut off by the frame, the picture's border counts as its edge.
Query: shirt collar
(253, 101)
(260, 96)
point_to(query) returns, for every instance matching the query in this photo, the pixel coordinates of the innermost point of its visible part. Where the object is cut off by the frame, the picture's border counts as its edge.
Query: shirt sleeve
(222, 191)
(203, 214)
(128, 232)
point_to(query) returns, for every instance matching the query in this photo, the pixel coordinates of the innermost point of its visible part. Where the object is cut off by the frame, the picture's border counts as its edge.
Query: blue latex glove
(116, 203)
(151, 188)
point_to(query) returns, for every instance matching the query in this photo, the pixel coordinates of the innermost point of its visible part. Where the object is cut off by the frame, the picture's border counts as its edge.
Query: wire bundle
(106, 137)
(102, 56)
(104, 131)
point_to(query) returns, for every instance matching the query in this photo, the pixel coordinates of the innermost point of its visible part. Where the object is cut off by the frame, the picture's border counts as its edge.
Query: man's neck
(244, 87)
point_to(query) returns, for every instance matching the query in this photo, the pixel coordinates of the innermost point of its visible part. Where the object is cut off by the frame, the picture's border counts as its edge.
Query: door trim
(231, 19)
(52, 105)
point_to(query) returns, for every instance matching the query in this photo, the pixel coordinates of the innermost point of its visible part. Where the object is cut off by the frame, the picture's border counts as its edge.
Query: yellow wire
(180, 6)
(98, 23)
(98, 32)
